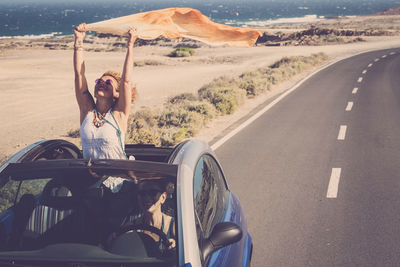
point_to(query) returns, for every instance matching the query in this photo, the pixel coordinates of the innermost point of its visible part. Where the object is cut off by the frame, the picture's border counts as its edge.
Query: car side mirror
(222, 235)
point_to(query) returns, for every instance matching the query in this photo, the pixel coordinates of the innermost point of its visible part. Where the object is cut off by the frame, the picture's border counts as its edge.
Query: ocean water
(30, 18)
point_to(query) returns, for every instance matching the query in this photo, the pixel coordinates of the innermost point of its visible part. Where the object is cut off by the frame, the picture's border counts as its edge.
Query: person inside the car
(152, 195)
(104, 121)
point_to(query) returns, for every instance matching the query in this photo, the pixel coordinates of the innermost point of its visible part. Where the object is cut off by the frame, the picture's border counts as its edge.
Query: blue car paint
(7, 218)
(237, 254)
(247, 251)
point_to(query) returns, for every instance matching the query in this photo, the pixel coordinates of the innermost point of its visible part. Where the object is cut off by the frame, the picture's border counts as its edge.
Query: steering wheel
(152, 229)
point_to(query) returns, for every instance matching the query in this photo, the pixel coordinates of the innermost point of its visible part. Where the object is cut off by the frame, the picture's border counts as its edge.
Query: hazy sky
(196, 1)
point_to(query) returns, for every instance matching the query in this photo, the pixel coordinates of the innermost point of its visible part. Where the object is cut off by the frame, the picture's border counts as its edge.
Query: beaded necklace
(98, 122)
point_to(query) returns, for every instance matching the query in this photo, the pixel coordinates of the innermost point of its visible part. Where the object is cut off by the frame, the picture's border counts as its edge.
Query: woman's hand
(80, 32)
(132, 35)
(173, 243)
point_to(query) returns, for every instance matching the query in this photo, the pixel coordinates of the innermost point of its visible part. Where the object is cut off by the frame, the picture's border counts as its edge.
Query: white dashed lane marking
(349, 106)
(333, 186)
(342, 132)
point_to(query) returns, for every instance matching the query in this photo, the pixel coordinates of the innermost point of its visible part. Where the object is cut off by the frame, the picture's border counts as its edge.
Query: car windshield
(89, 212)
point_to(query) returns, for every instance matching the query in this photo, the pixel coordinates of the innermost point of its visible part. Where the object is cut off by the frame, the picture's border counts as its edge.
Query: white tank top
(102, 142)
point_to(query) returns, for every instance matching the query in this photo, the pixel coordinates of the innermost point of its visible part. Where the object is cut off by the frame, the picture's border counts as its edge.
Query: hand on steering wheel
(152, 229)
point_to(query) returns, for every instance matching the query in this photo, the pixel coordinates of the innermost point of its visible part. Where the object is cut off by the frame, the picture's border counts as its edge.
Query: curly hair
(118, 77)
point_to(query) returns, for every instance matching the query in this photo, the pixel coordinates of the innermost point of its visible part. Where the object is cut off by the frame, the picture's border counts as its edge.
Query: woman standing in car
(104, 122)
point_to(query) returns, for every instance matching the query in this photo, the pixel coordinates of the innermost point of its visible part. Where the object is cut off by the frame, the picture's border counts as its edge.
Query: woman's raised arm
(125, 95)
(83, 97)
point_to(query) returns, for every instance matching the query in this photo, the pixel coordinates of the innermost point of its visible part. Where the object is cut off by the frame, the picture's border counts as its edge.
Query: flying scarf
(177, 23)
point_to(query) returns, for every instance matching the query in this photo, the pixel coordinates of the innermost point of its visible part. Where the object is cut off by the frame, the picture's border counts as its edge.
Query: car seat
(56, 204)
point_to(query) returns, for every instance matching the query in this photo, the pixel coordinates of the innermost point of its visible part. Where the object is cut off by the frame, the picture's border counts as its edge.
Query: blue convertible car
(57, 209)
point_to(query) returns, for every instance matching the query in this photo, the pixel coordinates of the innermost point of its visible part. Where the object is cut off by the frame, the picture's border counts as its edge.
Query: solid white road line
(355, 91)
(349, 106)
(342, 132)
(360, 79)
(364, 71)
(333, 186)
(370, 65)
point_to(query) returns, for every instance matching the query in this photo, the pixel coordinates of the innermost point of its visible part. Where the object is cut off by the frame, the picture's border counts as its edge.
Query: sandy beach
(37, 95)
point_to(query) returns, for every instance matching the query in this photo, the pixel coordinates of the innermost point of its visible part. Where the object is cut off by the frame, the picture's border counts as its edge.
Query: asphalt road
(319, 177)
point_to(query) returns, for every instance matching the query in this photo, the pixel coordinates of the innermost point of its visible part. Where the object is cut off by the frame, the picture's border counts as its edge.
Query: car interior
(73, 207)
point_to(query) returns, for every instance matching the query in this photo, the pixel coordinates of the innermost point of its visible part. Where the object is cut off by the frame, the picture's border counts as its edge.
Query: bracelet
(78, 46)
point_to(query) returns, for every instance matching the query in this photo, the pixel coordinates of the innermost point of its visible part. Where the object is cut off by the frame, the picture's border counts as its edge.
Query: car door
(211, 199)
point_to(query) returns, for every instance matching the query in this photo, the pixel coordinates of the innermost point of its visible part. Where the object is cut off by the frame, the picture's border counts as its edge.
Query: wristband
(78, 47)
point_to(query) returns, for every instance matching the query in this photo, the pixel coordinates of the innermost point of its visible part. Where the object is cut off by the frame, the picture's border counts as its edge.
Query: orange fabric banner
(178, 23)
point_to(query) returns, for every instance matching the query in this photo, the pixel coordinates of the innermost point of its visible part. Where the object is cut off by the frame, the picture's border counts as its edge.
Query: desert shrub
(255, 82)
(144, 136)
(359, 39)
(74, 133)
(171, 125)
(142, 128)
(182, 52)
(204, 108)
(223, 81)
(149, 62)
(256, 86)
(224, 93)
(280, 63)
(321, 56)
(180, 135)
(182, 98)
(334, 39)
(178, 116)
(250, 87)
(225, 99)
(191, 44)
(146, 115)
(197, 121)
(138, 64)
(251, 74)
(173, 136)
